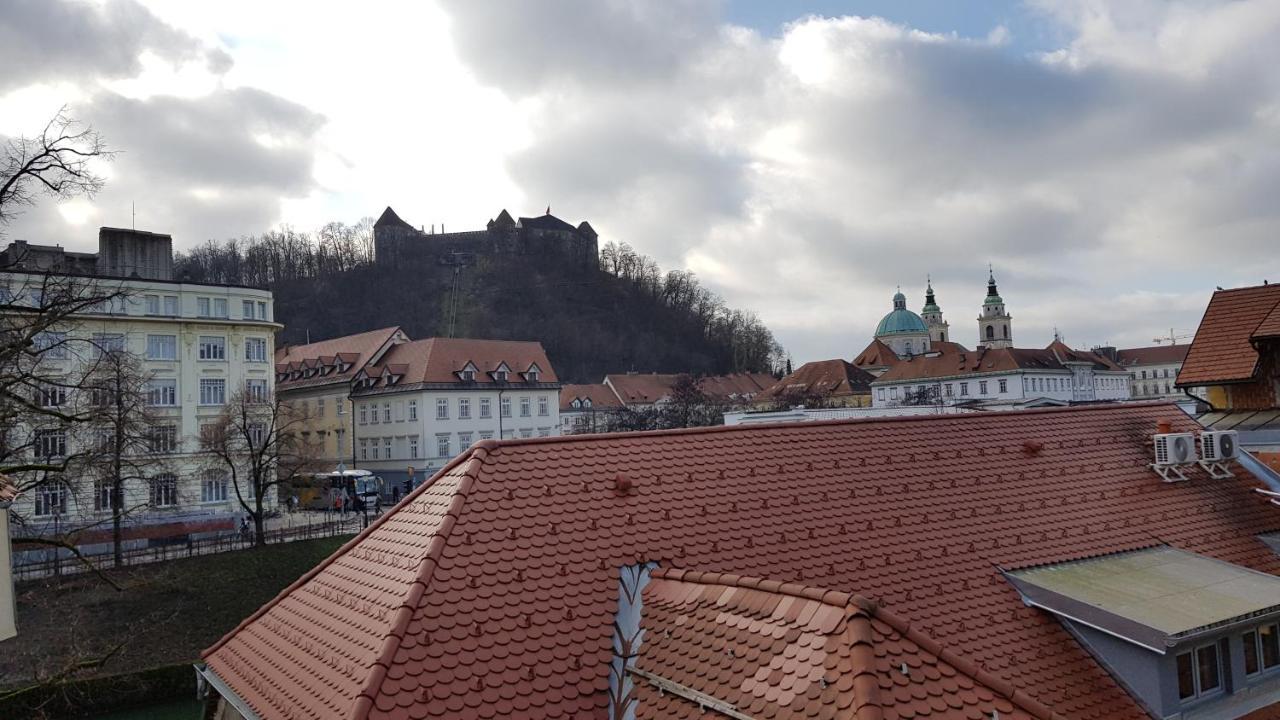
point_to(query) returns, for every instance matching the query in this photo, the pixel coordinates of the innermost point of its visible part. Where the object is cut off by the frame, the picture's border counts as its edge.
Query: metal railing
(62, 562)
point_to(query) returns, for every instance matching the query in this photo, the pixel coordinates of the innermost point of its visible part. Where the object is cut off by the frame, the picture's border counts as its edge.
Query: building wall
(1264, 392)
(135, 319)
(1017, 386)
(414, 416)
(1155, 380)
(326, 419)
(8, 626)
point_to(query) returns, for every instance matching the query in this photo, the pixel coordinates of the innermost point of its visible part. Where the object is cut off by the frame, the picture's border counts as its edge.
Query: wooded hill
(623, 315)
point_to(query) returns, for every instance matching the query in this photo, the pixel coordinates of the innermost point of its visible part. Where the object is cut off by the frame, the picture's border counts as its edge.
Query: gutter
(206, 678)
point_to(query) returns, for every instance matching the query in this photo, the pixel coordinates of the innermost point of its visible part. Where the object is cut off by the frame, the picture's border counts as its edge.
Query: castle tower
(932, 316)
(995, 327)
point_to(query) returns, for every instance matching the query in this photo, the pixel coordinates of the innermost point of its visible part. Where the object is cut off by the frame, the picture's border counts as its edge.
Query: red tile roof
(835, 378)
(1270, 326)
(356, 349)
(735, 386)
(1154, 355)
(776, 650)
(437, 360)
(491, 591)
(877, 354)
(601, 396)
(950, 361)
(641, 389)
(1221, 351)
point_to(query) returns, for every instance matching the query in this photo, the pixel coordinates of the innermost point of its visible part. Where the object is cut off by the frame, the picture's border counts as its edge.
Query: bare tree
(257, 440)
(57, 162)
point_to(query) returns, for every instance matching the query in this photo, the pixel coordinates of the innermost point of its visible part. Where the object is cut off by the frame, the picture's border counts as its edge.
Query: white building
(1001, 376)
(425, 401)
(198, 344)
(1154, 369)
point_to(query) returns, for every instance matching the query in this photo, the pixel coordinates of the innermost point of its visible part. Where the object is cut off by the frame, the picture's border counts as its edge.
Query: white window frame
(162, 392)
(162, 347)
(442, 408)
(255, 350)
(544, 407)
(214, 487)
(211, 388)
(464, 408)
(486, 408)
(162, 490)
(212, 348)
(442, 446)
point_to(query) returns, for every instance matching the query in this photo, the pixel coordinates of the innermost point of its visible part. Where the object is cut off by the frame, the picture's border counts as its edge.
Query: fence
(63, 562)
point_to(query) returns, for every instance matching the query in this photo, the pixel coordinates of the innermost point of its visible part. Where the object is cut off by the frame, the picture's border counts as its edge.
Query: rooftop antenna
(134, 212)
(308, 336)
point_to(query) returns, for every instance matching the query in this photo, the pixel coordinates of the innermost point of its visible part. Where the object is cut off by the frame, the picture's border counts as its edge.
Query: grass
(167, 613)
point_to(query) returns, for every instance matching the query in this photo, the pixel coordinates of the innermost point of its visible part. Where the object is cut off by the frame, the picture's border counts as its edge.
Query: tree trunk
(259, 520)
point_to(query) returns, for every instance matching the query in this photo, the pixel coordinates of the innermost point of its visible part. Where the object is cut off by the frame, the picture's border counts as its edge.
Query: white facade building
(425, 401)
(1154, 369)
(198, 345)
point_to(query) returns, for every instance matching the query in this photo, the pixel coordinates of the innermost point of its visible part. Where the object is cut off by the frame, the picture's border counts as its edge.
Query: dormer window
(500, 375)
(586, 402)
(468, 375)
(576, 403)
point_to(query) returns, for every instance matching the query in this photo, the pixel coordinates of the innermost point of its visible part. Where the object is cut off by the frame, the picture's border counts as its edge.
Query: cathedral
(905, 333)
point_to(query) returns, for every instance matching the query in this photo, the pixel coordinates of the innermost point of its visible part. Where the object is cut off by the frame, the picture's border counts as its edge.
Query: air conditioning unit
(1219, 445)
(1175, 449)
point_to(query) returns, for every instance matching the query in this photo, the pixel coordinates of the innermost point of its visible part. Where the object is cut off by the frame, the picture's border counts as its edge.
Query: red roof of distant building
(1222, 351)
(877, 354)
(1154, 355)
(356, 350)
(600, 395)
(834, 378)
(439, 360)
(771, 649)
(491, 591)
(641, 388)
(735, 386)
(950, 360)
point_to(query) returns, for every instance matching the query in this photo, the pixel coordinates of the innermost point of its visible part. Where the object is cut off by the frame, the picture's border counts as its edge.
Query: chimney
(1163, 426)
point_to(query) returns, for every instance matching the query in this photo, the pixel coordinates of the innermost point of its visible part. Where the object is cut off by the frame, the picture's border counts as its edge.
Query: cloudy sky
(1113, 161)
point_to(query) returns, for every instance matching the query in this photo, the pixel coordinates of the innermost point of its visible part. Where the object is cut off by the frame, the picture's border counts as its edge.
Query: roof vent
(622, 484)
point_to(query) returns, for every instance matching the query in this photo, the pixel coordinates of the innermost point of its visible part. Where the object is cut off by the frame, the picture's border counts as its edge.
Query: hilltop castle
(395, 240)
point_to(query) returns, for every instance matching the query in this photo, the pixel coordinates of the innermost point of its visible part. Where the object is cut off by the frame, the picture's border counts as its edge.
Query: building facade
(1154, 370)
(315, 381)
(995, 324)
(198, 345)
(425, 401)
(8, 614)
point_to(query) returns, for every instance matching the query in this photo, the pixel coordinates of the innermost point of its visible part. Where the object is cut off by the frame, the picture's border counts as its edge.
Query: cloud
(49, 40)
(1112, 183)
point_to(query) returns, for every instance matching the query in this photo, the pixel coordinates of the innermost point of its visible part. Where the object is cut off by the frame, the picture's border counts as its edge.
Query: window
(364, 414)
(879, 396)
(262, 310)
(258, 434)
(255, 391)
(991, 332)
(1262, 649)
(213, 347)
(51, 442)
(893, 393)
(464, 408)
(505, 407)
(442, 408)
(413, 447)
(386, 412)
(982, 387)
(51, 396)
(386, 447)
(213, 391)
(51, 344)
(1144, 374)
(213, 486)
(162, 347)
(364, 448)
(104, 343)
(255, 349)
(526, 432)
(152, 304)
(464, 440)
(162, 438)
(171, 305)
(485, 411)
(102, 492)
(468, 375)
(413, 409)
(1199, 673)
(339, 439)
(500, 376)
(524, 407)
(220, 307)
(1004, 386)
(342, 407)
(542, 406)
(163, 490)
(442, 446)
(162, 392)
(51, 499)
(532, 375)
(202, 307)
(964, 389)
(246, 309)
(320, 407)
(486, 434)
(947, 389)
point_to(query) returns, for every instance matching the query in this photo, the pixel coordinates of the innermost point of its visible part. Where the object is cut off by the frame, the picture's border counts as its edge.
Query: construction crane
(1172, 338)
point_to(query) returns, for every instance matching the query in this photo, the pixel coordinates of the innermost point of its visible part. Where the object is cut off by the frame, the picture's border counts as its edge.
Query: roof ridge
(714, 429)
(426, 568)
(926, 642)
(348, 545)
(826, 596)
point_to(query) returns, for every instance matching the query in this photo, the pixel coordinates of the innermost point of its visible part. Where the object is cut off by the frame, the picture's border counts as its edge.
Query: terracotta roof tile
(492, 591)
(836, 378)
(735, 386)
(601, 396)
(641, 388)
(436, 360)
(877, 354)
(953, 360)
(1221, 351)
(355, 349)
(800, 651)
(1154, 355)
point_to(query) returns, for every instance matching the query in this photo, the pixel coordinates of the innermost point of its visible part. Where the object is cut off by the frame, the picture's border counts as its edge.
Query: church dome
(901, 321)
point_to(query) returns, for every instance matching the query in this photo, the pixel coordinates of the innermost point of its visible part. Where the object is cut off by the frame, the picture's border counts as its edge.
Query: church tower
(994, 324)
(939, 329)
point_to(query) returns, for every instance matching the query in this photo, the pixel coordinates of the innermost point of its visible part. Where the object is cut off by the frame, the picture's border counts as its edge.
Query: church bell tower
(995, 326)
(939, 329)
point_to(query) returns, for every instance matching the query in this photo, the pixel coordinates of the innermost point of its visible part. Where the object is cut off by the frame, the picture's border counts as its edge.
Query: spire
(991, 283)
(930, 302)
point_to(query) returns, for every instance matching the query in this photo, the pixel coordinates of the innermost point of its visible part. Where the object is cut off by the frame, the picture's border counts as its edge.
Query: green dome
(901, 321)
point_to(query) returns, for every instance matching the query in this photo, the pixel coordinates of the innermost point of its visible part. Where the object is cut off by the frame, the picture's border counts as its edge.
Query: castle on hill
(395, 240)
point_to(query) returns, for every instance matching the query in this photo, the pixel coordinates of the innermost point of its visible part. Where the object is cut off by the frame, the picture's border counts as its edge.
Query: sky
(1113, 162)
